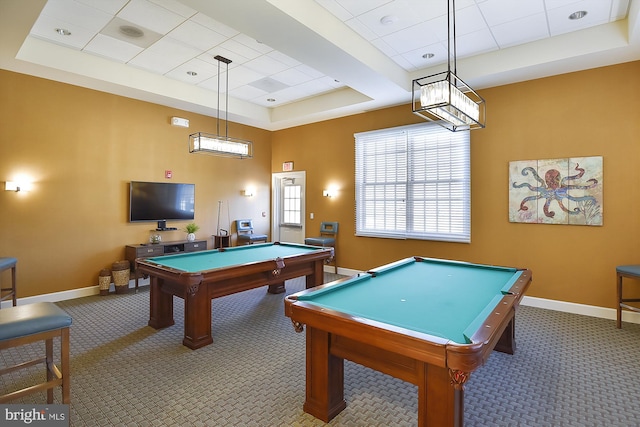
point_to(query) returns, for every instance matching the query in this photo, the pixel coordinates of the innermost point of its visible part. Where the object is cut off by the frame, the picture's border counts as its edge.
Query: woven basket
(120, 273)
(104, 281)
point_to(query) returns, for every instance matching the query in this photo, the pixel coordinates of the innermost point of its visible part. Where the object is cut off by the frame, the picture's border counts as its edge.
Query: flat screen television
(161, 201)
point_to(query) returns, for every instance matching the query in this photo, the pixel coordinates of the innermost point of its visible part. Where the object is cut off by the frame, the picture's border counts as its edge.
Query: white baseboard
(586, 310)
(70, 294)
(567, 307)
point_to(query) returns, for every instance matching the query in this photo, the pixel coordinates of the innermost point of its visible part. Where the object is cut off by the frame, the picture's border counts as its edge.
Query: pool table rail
(233, 274)
(438, 366)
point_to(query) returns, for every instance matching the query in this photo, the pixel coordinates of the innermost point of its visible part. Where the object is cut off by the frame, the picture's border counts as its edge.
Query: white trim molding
(548, 304)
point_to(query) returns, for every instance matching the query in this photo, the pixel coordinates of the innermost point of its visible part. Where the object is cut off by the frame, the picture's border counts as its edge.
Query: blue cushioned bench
(25, 324)
(7, 263)
(632, 272)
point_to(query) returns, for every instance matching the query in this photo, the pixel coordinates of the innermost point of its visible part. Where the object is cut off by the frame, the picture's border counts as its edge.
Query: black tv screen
(156, 201)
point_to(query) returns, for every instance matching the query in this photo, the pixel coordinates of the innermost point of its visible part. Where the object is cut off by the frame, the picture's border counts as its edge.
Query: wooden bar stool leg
(13, 285)
(618, 305)
(49, 367)
(64, 366)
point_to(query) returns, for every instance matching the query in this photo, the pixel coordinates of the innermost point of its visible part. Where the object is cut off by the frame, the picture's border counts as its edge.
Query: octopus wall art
(556, 191)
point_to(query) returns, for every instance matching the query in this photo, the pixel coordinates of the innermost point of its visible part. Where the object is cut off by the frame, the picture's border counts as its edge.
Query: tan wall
(589, 113)
(82, 148)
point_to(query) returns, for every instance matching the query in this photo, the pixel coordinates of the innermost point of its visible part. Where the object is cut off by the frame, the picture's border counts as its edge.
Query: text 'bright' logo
(30, 415)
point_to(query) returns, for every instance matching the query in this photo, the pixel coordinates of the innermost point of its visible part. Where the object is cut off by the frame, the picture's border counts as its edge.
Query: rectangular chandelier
(444, 98)
(217, 145)
(221, 145)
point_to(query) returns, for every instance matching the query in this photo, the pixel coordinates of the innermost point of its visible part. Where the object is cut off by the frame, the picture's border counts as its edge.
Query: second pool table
(426, 321)
(198, 277)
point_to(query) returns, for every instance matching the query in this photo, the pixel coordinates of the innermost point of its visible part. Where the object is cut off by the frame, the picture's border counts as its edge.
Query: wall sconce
(248, 192)
(330, 192)
(17, 186)
(180, 122)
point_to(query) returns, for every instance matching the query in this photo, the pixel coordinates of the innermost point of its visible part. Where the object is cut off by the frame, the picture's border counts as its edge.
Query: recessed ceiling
(300, 61)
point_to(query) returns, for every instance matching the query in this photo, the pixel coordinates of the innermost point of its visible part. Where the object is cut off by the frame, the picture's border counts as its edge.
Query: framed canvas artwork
(556, 191)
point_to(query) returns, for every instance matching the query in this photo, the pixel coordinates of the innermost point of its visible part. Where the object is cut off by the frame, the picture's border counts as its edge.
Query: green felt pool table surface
(198, 277)
(427, 321)
(228, 257)
(447, 299)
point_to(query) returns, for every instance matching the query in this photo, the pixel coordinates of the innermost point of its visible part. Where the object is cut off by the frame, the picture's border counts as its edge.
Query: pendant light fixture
(218, 144)
(443, 97)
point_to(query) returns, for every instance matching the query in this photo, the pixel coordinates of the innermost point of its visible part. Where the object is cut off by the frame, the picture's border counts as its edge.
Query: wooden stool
(628, 271)
(5, 264)
(25, 324)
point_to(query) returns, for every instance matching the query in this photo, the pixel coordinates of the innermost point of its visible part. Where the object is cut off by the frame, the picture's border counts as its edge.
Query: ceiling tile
(242, 75)
(45, 28)
(247, 92)
(151, 16)
(77, 13)
(358, 7)
(129, 32)
(111, 48)
(175, 7)
(389, 18)
(203, 70)
(336, 9)
(110, 6)
(519, 31)
(291, 77)
(496, 12)
(475, 43)
(284, 59)
(413, 37)
(598, 13)
(214, 25)
(196, 35)
(240, 52)
(415, 57)
(266, 65)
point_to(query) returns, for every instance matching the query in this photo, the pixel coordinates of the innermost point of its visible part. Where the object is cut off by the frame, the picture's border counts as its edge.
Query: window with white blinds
(413, 182)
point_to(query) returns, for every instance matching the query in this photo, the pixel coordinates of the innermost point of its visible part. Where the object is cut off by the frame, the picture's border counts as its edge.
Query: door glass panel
(292, 204)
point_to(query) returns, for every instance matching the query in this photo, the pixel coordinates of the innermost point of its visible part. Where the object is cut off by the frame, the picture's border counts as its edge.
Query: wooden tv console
(148, 250)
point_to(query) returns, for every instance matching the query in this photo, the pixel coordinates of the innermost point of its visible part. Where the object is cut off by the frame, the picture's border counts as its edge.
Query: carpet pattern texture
(568, 370)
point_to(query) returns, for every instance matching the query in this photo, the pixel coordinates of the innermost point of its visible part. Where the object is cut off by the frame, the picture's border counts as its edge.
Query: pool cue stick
(218, 227)
(228, 216)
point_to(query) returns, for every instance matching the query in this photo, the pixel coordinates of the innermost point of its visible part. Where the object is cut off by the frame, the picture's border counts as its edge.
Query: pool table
(198, 277)
(427, 321)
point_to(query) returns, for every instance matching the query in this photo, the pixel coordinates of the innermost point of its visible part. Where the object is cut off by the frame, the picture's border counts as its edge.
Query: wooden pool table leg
(325, 377)
(317, 278)
(161, 305)
(439, 403)
(507, 341)
(197, 317)
(276, 288)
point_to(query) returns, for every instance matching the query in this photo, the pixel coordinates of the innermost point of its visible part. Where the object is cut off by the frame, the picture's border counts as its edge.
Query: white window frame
(414, 182)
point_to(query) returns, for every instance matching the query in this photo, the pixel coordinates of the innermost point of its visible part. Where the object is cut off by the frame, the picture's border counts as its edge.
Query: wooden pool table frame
(437, 366)
(199, 288)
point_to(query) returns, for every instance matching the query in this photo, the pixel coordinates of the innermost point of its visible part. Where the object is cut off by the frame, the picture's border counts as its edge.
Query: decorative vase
(191, 237)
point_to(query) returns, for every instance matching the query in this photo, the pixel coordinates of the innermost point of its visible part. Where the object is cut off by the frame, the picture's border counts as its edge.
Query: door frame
(276, 200)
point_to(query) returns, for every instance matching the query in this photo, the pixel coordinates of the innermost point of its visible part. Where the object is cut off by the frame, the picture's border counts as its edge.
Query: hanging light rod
(218, 144)
(443, 97)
